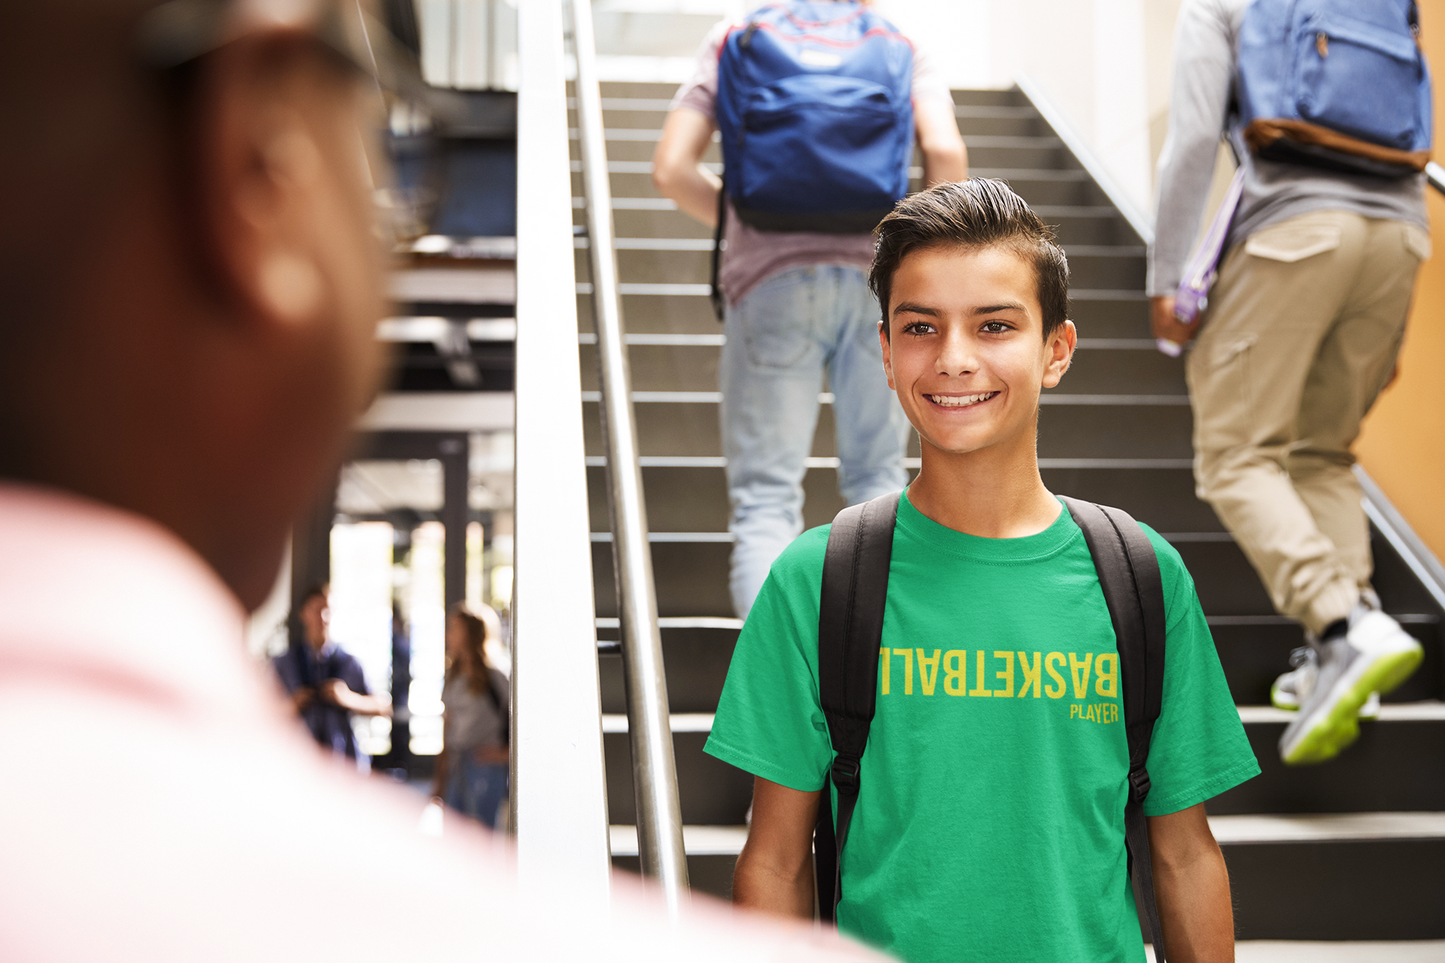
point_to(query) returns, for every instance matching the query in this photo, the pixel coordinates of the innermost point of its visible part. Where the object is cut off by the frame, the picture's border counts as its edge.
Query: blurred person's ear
(284, 202)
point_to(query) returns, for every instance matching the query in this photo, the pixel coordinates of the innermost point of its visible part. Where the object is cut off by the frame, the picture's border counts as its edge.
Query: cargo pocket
(1222, 392)
(1293, 241)
(1417, 242)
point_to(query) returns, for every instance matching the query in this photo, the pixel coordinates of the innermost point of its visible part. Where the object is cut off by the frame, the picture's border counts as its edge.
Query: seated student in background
(326, 683)
(990, 824)
(472, 771)
(191, 284)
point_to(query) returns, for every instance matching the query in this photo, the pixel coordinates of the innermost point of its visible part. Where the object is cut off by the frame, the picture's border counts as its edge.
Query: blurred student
(472, 771)
(326, 683)
(191, 286)
(813, 160)
(1303, 326)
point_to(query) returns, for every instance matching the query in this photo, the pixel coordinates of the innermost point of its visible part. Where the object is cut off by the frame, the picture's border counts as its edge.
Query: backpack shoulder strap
(850, 626)
(1134, 592)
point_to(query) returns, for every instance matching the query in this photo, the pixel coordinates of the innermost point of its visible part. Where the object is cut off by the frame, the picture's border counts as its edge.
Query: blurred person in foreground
(191, 285)
(327, 684)
(472, 770)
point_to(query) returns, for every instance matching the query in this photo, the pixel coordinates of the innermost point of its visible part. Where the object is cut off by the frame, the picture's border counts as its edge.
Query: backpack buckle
(845, 772)
(1139, 783)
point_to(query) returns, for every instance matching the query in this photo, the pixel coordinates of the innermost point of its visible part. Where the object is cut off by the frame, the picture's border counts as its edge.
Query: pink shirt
(751, 256)
(161, 804)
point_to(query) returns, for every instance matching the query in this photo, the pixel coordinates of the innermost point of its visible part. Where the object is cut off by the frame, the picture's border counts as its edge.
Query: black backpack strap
(850, 627)
(715, 292)
(1134, 592)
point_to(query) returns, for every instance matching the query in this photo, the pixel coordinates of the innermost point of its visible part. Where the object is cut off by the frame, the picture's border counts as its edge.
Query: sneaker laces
(1301, 656)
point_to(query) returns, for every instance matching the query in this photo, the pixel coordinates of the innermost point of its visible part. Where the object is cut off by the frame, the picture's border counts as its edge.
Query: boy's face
(967, 355)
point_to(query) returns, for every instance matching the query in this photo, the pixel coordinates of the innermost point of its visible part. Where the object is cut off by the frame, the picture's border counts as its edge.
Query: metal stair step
(691, 577)
(1357, 877)
(695, 661)
(693, 497)
(1010, 97)
(1380, 773)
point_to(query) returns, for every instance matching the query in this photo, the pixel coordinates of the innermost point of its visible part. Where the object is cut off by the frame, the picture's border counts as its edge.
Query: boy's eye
(918, 327)
(995, 327)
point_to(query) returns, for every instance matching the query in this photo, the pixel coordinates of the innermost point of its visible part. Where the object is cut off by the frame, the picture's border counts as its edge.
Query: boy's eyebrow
(995, 308)
(910, 307)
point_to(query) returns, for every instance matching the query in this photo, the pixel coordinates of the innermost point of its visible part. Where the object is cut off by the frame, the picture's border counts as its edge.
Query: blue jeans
(477, 789)
(781, 338)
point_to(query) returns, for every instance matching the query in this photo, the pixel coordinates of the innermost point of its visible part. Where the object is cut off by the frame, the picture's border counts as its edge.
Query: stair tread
(1228, 830)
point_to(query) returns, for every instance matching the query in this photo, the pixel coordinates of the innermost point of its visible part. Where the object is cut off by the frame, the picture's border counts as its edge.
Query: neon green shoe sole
(1339, 727)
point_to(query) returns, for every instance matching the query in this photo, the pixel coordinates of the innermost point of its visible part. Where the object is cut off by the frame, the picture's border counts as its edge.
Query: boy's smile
(967, 355)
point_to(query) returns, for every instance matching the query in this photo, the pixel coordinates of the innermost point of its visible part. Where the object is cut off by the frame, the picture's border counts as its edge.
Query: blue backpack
(1340, 84)
(815, 112)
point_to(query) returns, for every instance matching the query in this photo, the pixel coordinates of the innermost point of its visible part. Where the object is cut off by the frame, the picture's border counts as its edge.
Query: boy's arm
(1191, 885)
(676, 171)
(945, 158)
(775, 869)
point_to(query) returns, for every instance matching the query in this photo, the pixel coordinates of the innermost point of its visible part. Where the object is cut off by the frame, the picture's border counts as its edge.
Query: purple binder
(1203, 267)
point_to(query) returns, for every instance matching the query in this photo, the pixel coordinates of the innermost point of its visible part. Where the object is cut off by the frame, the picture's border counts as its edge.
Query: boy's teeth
(961, 401)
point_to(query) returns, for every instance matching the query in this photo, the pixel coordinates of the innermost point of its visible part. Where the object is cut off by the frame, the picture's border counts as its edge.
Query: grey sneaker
(1373, 655)
(1291, 688)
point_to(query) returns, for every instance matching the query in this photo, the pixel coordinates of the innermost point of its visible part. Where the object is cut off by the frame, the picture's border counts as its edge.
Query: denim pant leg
(771, 372)
(872, 430)
(477, 789)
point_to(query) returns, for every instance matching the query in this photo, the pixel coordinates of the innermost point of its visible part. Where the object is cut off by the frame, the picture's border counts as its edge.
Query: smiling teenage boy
(990, 821)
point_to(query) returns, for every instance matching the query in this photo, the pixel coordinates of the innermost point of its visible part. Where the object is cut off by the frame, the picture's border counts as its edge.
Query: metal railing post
(654, 771)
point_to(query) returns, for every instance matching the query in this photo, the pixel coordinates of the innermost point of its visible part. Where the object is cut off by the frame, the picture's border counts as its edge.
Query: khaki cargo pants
(1300, 336)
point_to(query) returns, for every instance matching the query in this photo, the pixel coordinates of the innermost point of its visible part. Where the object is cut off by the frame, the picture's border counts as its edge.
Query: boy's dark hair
(981, 212)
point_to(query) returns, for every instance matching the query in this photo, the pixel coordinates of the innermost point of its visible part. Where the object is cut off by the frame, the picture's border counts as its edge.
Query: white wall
(1098, 61)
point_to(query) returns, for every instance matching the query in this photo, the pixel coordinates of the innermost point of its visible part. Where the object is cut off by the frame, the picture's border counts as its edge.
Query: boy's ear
(887, 354)
(1059, 353)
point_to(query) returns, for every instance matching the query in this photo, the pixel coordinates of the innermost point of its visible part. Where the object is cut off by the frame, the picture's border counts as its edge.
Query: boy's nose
(956, 357)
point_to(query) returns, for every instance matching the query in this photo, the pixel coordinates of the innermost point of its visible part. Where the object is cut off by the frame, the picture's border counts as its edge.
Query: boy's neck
(992, 493)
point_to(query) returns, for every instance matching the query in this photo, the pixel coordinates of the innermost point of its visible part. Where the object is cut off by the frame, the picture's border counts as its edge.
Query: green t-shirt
(990, 822)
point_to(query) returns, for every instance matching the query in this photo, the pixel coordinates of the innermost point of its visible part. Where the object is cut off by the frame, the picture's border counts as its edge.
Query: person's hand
(1166, 326)
(302, 697)
(335, 692)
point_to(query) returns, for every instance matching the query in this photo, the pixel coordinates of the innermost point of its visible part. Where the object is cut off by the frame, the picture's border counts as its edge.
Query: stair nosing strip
(1425, 711)
(1232, 830)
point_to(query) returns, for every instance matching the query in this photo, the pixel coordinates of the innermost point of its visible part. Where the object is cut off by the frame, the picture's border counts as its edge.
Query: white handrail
(559, 790)
(1074, 141)
(1435, 174)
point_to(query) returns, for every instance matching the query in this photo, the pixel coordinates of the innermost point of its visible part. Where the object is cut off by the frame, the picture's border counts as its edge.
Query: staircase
(1350, 850)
